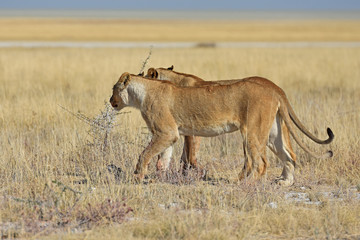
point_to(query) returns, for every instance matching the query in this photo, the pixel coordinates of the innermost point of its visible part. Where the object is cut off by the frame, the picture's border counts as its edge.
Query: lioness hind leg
(286, 141)
(263, 166)
(254, 159)
(158, 144)
(247, 164)
(279, 143)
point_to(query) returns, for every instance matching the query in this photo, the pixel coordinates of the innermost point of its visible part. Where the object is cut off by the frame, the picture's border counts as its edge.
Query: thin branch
(65, 187)
(146, 60)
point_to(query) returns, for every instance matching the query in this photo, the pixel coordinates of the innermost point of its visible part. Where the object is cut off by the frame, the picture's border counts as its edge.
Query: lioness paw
(284, 182)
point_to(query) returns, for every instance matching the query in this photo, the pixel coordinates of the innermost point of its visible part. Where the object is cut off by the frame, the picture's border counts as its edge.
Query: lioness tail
(286, 116)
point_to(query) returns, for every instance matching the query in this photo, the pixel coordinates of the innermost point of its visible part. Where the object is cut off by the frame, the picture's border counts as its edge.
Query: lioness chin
(252, 108)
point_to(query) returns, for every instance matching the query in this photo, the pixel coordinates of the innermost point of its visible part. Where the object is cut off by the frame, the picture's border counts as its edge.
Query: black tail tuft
(331, 136)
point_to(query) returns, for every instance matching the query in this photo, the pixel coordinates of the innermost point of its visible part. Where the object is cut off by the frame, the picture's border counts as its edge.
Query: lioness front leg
(164, 159)
(157, 145)
(190, 150)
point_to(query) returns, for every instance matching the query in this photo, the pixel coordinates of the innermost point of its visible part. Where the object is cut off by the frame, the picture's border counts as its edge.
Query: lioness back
(226, 108)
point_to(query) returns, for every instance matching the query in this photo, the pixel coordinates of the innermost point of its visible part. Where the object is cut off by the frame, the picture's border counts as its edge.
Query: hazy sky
(184, 4)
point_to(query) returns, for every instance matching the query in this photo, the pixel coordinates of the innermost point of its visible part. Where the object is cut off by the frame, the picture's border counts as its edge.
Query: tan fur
(170, 111)
(192, 143)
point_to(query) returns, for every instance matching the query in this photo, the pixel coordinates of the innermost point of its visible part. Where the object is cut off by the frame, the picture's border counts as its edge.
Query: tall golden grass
(177, 30)
(44, 148)
(54, 180)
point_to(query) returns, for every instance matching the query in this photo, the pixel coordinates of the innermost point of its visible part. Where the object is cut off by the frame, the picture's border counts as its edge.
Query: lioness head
(119, 99)
(154, 73)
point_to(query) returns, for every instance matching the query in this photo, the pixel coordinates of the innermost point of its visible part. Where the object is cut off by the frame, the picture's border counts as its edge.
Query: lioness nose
(112, 103)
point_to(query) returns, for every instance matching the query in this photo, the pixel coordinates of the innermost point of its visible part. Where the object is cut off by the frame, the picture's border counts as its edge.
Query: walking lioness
(191, 143)
(170, 111)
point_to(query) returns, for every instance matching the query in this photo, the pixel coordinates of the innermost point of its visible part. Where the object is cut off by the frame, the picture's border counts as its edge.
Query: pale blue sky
(183, 4)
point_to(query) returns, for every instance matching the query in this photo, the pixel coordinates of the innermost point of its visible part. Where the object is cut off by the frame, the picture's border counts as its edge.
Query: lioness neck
(166, 75)
(180, 79)
(137, 93)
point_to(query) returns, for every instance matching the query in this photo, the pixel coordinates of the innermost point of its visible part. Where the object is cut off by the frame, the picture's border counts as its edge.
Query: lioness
(191, 143)
(170, 111)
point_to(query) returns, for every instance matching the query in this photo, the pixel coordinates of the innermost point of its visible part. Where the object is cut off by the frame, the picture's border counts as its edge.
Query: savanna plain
(62, 146)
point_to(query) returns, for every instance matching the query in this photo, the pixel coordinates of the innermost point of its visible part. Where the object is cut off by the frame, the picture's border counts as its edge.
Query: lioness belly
(209, 131)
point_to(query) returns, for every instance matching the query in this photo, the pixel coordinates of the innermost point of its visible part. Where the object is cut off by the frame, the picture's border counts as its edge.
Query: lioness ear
(141, 74)
(152, 73)
(125, 79)
(155, 74)
(171, 68)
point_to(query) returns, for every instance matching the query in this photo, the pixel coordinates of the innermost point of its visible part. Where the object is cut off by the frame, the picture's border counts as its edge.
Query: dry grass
(54, 180)
(177, 30)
